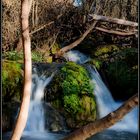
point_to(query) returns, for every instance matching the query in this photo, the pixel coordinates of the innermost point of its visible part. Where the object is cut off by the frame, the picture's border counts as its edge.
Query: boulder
(71, 93)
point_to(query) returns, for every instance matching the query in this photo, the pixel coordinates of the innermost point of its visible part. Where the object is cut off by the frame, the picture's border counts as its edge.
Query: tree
(23, 113)
(107, 121)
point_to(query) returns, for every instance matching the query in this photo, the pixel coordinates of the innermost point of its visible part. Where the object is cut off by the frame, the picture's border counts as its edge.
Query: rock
(9, 113)
(71, 93)
(54, 121)
(122, 79)
(118, 66)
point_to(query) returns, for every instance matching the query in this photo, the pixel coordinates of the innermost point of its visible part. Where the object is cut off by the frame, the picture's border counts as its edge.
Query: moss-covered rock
(11, 81)
(122, 74)
(105, 53)
(118, 66)
(71, 92)
(105, 49)
(55, 48)
(96, 62)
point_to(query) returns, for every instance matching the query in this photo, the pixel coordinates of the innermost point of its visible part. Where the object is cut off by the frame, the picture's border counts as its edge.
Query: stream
(37, 127)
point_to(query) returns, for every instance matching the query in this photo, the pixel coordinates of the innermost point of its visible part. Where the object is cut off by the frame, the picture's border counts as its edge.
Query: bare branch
(75, 43)
(115, 32)
(114, 20)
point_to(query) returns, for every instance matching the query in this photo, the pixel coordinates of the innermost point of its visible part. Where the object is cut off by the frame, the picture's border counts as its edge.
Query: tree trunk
(23, 113)
(109, 120)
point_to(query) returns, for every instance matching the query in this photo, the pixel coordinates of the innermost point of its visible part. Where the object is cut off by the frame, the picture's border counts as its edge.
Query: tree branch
(75, 43)
(19, 44)
(114, 20)
(107, 121)
(115, 32)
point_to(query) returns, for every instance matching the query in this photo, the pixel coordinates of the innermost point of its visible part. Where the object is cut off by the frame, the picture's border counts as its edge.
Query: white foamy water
(36, 118)
(106, 104)
(76, 56)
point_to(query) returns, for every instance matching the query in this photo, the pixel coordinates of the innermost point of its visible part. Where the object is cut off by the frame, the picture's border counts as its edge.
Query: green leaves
(11, 80)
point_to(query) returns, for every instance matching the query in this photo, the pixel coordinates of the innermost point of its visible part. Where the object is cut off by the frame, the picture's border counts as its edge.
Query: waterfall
(107, 104)
(126, 129)
(76, 56)
(104, 99)
(36, 118)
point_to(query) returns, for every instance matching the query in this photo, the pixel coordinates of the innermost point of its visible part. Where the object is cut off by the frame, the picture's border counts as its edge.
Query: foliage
(37, 57)
(72, 103)
(15, 56)
(55, 48)
(11, 80)
(76, 85)
(106, 49)
(96, 62)
(76, 80)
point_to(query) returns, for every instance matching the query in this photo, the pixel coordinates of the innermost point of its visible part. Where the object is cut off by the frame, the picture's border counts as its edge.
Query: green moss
(96, 62)
(16, 56)
(72, 93)
(55, 48)
(106, 49)
(11, 80)
(72, 103)
(76, 80)
(13, 55)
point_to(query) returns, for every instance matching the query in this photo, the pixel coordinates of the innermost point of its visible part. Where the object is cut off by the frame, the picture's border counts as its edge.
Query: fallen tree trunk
(75, 43)
(109, 120)
(115, 32)
(113, 20)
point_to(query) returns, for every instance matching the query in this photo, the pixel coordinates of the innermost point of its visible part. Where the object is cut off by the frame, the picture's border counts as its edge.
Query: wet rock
(9, 113)
(71, 93)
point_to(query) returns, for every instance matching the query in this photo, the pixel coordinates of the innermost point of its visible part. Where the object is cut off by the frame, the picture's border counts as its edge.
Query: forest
(70, 70)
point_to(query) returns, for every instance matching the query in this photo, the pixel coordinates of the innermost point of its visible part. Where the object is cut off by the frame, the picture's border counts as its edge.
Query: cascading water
(105, 101)
(36, 120)
(106, 104)
(35, 128)
(76, 56)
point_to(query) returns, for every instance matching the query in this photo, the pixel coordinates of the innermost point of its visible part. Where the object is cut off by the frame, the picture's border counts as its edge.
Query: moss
(72, 93)
(11, 80)
(37, 57)
(49, 59)
(75, 84)
(55, 48)
(105, 49)
(76, 80)
(72, 104)
(96, 62)
(17, 56)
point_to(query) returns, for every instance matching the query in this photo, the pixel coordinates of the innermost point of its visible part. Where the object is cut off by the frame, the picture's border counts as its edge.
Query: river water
(127, 129)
